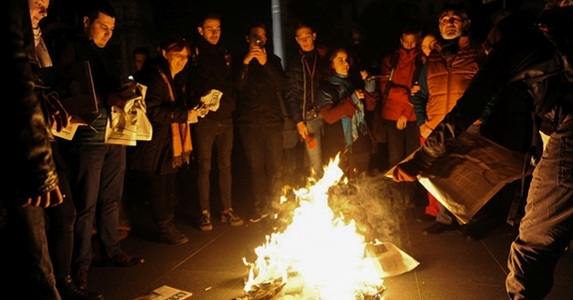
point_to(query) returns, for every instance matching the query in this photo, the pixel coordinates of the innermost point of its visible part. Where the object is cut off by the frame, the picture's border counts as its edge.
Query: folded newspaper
(466, 178)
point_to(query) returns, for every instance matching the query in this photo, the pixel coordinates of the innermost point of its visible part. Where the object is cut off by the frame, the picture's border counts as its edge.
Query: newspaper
(466, 178)
(166, 293)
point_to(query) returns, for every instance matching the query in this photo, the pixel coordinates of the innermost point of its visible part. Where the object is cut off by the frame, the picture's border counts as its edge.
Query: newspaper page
(465, 179)
(166, 293)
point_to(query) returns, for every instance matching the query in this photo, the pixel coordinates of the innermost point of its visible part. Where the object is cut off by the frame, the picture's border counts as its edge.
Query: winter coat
(211, 69)
(257, 87)
(397, 102)
(300, 91)
(106, 77)
(334, 105)
(156, 156)
(446, 81)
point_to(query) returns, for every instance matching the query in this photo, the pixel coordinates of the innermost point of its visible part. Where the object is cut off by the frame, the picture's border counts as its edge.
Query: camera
(259, 43)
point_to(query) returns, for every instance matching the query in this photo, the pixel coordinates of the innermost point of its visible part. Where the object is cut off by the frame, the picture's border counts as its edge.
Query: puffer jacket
(28, 162)
(446, 80)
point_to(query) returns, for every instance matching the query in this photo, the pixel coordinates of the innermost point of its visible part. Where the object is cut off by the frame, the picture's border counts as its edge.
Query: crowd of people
(439, 82)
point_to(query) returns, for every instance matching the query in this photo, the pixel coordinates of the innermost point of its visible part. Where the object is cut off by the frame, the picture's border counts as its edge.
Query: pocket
(566, 163)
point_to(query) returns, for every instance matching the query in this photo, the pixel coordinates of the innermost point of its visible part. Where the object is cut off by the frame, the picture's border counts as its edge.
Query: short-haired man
(260, 119)
(396, 111)
(448, 71)
(300, 93)
(98, 168)
(212, 71)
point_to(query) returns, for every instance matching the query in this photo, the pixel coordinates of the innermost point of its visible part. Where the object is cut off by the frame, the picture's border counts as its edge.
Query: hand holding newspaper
(466, 178)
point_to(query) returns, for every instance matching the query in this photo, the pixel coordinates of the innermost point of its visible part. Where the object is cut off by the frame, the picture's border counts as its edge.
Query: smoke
(374, 203)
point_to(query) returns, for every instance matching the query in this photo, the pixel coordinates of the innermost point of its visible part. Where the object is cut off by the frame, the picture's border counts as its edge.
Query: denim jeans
(263, 149)
(25, 260)
(162, 199)
(213, 135)
(99, 171)
(315, 127)
(547, 226)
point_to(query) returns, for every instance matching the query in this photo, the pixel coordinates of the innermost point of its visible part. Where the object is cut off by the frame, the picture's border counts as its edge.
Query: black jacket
(300, 91)
(257, 87)
(106, 77)
(212, 70)
(28, 162)
(156, 156)
(525, 53)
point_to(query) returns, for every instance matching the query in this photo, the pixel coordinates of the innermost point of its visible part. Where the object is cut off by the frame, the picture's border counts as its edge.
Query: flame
(321, 251)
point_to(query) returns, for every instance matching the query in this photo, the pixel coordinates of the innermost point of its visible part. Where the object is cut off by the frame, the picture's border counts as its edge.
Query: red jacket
(397, 104)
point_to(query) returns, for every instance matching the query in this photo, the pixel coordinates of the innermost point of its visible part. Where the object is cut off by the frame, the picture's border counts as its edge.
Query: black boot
(170, 234)
(69, 291)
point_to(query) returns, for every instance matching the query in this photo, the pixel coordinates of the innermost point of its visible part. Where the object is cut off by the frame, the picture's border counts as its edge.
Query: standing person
(341, 106)
(443, 79)
(543, 50)
(98, 168)
(60, 218)
(32, 184)
(214, 133)
(300, 94)
(139, 55)
(170, 147)
(259, 83)
(397, 113)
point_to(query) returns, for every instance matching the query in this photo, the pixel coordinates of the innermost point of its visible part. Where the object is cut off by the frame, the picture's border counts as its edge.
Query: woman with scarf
(342, 107)
(170, 147)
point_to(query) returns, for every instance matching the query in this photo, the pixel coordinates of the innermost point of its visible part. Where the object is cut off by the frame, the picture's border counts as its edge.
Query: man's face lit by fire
(305, 38)
(100, 29)
(211, 31)
(452, 25)
(408, 41)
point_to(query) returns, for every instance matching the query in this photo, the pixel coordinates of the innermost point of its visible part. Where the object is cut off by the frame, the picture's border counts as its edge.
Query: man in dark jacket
(212, 73)
(31, 183)
(260, 118)
(300, 93)
(518, 63)
(98, 168)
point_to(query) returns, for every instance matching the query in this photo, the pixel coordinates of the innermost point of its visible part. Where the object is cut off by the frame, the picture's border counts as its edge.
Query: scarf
(357, 125)
(180, 134)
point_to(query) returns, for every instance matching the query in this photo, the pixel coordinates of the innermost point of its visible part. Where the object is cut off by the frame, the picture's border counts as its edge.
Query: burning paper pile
(318, 256)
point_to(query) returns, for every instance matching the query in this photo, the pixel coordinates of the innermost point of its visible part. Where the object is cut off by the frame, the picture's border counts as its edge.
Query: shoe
(256, 217)
(469, 234)
(230, 217)
(68, 290)
(438, 228)
(81, 279)
(170, 234)
(124, 260)
(205, 221)
(425, 218)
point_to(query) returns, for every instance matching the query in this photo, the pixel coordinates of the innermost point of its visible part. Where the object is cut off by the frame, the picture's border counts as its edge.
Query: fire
(318, 256)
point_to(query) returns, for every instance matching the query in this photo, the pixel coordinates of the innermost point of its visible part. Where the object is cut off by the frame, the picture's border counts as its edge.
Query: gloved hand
(406, 171)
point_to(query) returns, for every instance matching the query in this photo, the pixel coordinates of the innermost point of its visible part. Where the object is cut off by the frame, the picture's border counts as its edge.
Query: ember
(319, 255)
